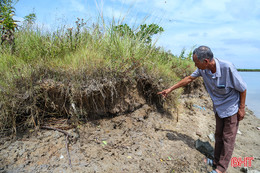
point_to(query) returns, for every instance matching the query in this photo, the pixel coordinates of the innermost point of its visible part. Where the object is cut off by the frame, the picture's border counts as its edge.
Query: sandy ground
(141, 141)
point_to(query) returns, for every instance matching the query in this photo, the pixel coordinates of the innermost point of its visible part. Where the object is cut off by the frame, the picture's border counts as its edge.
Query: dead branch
(55, 129)
(67, 135)
(68, 153)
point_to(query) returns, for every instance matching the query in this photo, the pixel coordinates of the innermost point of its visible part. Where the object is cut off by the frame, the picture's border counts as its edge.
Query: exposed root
(67, 135)
(88, 99)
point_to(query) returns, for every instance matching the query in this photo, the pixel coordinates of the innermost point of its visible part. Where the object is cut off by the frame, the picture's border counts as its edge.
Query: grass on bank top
(249, 70)
(75, 55)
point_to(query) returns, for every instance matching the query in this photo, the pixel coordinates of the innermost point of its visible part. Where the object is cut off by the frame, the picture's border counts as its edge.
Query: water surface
(252, 80)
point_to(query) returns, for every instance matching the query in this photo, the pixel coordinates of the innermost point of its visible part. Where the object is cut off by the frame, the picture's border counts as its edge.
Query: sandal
(210, 163)
(213, 171)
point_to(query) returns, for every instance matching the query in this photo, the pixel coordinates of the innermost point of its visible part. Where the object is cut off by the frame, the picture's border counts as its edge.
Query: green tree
(124, 30)
(147, 31)
(30, 18)
(7, 23)
(143, 33)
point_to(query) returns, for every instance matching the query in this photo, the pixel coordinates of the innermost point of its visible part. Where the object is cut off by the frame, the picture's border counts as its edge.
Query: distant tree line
(249, 70)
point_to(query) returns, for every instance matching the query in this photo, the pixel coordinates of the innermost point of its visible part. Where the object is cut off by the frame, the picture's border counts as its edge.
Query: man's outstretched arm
(181, 83)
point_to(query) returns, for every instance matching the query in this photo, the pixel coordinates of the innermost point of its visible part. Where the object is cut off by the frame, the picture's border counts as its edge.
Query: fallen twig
(66, 139)
(59, 130)
(177, 115)
(68, 153)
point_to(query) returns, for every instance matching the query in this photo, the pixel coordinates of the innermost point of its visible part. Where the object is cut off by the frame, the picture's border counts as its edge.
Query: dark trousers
(225, 136)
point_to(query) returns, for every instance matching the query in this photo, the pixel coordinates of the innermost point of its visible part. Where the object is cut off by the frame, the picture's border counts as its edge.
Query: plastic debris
(244, 169)
(211, 137)
(201, 108)
(238, 132)
(61, 156)
(129, 157)
(104, 142)
(258, 128)
(196, 106)
(169, 158)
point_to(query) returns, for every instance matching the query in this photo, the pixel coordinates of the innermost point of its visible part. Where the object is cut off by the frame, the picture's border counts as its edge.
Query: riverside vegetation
(249, 70)
(80, 73)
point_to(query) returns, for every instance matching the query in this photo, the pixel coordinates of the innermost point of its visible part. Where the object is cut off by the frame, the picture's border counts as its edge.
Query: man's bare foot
(218, 171)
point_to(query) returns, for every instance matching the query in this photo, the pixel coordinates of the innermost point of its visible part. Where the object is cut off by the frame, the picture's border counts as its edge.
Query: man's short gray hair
(203, 52)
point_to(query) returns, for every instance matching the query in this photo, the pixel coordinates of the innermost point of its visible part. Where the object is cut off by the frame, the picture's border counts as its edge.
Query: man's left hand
(241, 114)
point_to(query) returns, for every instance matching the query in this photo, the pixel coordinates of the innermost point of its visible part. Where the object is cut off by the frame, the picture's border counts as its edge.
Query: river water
(253, 91)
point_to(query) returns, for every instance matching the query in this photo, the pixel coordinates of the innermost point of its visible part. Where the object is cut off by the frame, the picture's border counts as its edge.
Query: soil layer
(140, 141)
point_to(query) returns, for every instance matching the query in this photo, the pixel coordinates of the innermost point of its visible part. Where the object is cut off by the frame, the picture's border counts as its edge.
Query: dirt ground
(142, 141)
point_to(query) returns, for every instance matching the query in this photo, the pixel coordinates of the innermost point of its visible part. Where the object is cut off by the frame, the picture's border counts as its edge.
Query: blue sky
(229, 27)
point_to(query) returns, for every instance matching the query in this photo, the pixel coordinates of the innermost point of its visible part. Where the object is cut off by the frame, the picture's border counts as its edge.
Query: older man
(228, 93)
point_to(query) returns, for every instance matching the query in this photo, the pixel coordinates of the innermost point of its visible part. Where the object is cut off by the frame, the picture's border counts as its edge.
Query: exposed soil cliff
(128, 132)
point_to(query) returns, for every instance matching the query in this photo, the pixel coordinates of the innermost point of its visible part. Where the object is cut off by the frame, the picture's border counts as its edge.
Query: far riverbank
(249, 70)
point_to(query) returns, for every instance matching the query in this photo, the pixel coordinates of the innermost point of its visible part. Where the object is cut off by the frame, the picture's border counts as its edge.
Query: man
(228, 93)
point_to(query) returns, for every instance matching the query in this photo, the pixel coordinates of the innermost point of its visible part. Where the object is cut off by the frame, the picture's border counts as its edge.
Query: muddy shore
(141, 141)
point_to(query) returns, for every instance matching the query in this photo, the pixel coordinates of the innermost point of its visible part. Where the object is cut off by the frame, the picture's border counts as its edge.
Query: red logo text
(237, 162)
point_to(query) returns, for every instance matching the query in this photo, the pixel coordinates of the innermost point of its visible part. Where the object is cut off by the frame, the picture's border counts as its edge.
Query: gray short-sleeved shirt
(224, 87)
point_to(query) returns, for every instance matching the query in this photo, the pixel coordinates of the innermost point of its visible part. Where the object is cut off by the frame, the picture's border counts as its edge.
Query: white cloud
(243, 9)
(77, 5)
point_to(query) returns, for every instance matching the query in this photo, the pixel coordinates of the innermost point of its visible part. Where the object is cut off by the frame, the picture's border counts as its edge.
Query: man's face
(199, 64)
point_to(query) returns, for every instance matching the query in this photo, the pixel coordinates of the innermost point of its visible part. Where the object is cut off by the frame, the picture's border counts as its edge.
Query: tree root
(67, 135)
